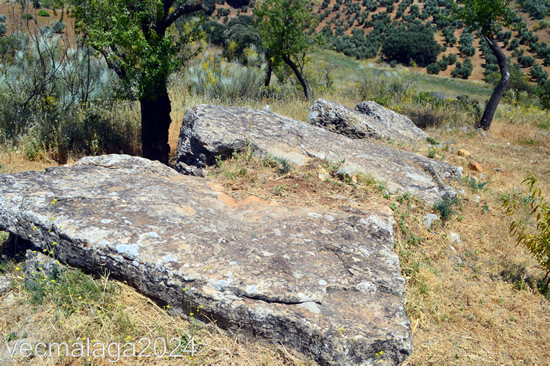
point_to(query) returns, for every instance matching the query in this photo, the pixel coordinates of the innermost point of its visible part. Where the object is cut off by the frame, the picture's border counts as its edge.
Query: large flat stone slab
(208, 131)
(325, 284)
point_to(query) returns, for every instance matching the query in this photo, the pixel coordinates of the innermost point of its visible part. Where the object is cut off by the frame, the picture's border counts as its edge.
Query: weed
(432, 141)
(474, 184)
(445, 207)
(526, 141)
(279, 190)
(432, 152)
(283, 165)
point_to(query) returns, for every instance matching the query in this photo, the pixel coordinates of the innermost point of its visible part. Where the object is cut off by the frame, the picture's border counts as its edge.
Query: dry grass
(124, 316)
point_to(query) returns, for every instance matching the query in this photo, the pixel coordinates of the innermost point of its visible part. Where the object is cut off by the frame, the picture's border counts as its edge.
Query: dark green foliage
(3, 18)
(214, 32)
(3, 29)
(526, 61)
(357, 45)
(43, 13)
(514, 44)
(446, 207)
(543, 93)
(239, 36)
(415, 43)
(434, 68)
(489, 70)
(223, 12)
(517, 86)
(466, 44)
(536, 8)
(538, 74)
(58, 27)
(237, 3)
(449, 34)
(463, 70)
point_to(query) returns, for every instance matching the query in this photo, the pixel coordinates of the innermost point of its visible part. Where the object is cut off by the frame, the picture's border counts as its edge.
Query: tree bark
(269, 70)
(155, 123)
(294, 67)
(498, 93)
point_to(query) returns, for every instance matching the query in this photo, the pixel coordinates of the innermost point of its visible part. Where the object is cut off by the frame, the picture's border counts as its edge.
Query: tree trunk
(491, 107)
(269, 70)
(155, 123)
(294, 67)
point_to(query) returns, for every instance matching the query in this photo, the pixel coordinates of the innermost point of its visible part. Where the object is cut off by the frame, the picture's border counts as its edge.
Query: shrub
(27, 16)
(43, 13)
(386, 87)
(3, 18)
(417, 43)
(58, 27)
(445, 207)
(433, 68)
(3, 29)
(538, 74)
(59, 103)
(536, 239)
(526, 61)
(226, 81)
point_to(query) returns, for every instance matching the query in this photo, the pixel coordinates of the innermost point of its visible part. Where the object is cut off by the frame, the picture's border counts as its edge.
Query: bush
(445, 207)
(59, 103)
(226, 81)
(433, 68)
(386, 87)
(58, 27)
(3, 29)
(27, 16)
(536, 239)
(526, 61)
(43, 13)
(538, 74)
(3, 18)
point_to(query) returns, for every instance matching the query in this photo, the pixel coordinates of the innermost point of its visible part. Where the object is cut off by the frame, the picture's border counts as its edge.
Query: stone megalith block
(369, 119)
(325, 284)
(208, 131)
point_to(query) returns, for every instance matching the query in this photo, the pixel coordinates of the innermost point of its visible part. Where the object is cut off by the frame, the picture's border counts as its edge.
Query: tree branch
(183, 10)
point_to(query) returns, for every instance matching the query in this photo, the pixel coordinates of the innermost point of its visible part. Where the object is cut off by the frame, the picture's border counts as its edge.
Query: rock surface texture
(369, 119)
(210, 131)
(326, 284)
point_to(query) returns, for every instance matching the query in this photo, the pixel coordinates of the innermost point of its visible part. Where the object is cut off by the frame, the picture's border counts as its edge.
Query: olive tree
(486, 16)
(134, 38)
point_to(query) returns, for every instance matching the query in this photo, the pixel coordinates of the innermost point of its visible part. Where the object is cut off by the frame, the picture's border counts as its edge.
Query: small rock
(460, 190)
(476, 198)
(5, 285)
(452, 248)
(464, 153)
(454, 238)
(498, 170)
(474, 166)
(322, 173)
(349, 171)
(429, 220)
